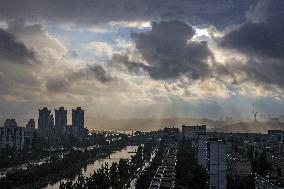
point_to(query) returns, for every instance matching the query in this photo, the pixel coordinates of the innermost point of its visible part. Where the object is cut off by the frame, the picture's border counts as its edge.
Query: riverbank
(66, 168)
(117, 174)
(95, 165)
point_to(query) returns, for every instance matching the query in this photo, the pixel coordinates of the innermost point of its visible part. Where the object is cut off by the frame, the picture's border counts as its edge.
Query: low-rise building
(191, 132)
(171, 133)
(275, 136)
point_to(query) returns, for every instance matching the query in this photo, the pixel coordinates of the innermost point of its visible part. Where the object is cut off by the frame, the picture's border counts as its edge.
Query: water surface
(90, 168)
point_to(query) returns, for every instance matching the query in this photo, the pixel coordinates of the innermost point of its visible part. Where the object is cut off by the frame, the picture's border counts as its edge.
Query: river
(90, 168)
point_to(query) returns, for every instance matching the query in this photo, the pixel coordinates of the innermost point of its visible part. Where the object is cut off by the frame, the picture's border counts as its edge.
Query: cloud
(256, 39)
(169, 51)
(13, 49)
(101, 50)
(261, 40)
(22, 41)
(71, 78)
(262, 34)
(17, 61)
(51, 76)
(57, 84)
(36, 38)
(100, 73)
(221, 12)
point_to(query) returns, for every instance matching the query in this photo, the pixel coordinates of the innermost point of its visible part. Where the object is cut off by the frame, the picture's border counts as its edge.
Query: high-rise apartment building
(29, 132)
(31, 124)
(51, 121)
(210, 154)
(60, 120)
(201, 150)
(199, 138)
(77, 122)
(217, 164)
(44, 120)
(11, 135)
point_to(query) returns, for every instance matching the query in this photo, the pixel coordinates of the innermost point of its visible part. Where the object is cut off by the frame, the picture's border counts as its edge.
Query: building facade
(29, 132)
(77, 122)
(275, 136)
(60, 120)
(217, 164)
(201, 150)
(172, 133)
(11, 135)
(45, 120)
(191, 132)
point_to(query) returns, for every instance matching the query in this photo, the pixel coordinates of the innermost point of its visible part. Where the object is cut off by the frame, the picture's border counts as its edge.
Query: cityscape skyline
(142, 94)
(56, 120)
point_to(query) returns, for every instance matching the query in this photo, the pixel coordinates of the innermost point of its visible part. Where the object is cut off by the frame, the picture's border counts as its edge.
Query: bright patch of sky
(3, 25)
(201, 34)
(82, 42)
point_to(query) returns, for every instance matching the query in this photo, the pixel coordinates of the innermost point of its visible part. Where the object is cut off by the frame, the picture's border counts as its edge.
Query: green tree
(113, 174)
(260, 165)
(188, 173)
(123, 168)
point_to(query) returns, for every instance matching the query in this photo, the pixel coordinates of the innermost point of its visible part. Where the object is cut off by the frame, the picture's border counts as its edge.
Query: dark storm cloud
(267, 71)
(261, 38)
(169, 53)
(263, 34)
(13, 49)
(217, 12)
(257, 38)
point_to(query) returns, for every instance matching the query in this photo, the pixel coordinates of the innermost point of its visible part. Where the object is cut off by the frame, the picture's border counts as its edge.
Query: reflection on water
(87, 171)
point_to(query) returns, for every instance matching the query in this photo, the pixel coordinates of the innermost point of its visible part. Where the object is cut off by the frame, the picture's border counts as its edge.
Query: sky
(140, 59)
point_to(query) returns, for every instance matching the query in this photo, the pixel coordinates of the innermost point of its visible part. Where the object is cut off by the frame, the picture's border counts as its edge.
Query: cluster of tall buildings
(50, 125)
(210, 153)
